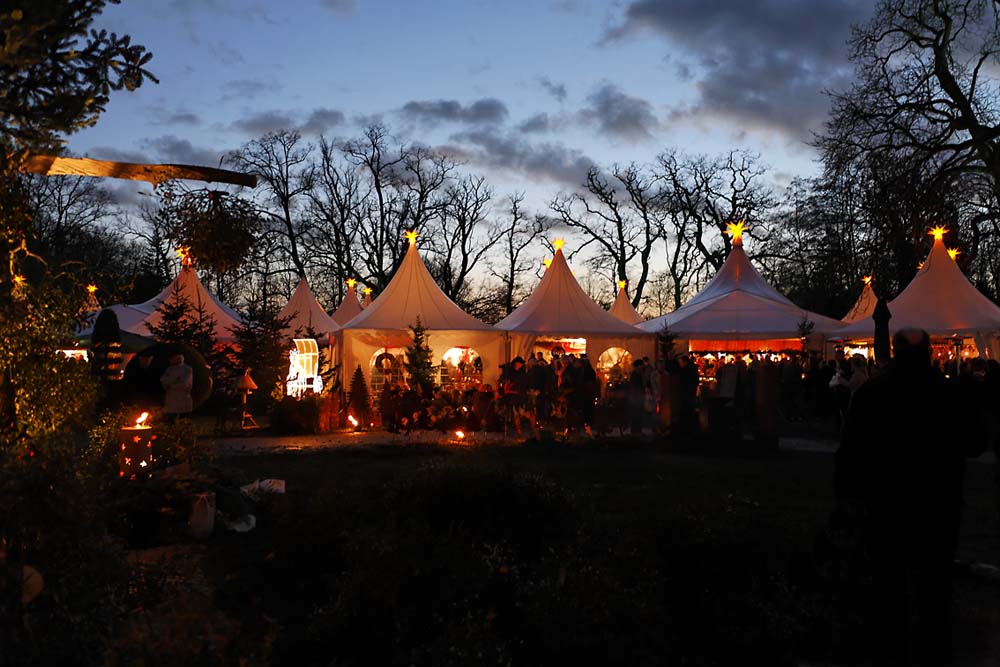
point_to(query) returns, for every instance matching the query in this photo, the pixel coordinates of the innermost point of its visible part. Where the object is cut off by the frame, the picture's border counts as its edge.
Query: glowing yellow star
(91, 288)
(735, 230)
(411, 236)
(351, 282)
(558, 244)
(954, 252)
(368, 291)
(621, 284)
(867, 280)
(185, 255)
(19, 280)
(938, 232)
(547, 262)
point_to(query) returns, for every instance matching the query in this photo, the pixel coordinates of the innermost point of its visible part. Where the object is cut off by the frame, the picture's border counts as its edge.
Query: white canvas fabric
(623, 309)
(306, 313)
(864, 306)
(136, 318)
(939, 300)
(738, 304)
(559, 306)
(348, 308)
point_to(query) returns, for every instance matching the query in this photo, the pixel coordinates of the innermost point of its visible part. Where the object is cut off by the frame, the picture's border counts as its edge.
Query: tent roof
(864, 306)
(306, 313)
(136, 318)
(348, 308)
(939, 300)
(739, 304)
(412, 293)
(623, 309)
(560, 306)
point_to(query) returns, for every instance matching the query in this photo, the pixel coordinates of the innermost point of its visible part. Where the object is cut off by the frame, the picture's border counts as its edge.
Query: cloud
(540, 122)
(320, 120)
(487, 110)
(620, 115)
(118, 155)
(246, 89)
(487, 147)
(263, 122)
(556, 90)
(178, 118)
(340, 6)
(761, 63)
(171, 148)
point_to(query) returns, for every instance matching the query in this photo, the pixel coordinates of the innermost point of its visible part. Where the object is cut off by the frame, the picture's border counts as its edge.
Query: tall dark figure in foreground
(900, 466)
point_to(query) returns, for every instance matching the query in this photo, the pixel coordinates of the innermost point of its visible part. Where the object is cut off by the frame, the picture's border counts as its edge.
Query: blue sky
(528, 93)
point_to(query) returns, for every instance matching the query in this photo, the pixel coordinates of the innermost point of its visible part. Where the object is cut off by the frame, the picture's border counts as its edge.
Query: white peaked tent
(411, 294)
(941, 301)
(558, 307)
(137, 318)
(306, 314)
(349, 308)
(865, 305)
(623, 309)
(739, 310)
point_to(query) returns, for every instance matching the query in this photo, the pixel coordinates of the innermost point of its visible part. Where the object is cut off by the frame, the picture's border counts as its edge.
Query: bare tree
(621, 215)
(285, 172)
(461, 237)
(518, 235)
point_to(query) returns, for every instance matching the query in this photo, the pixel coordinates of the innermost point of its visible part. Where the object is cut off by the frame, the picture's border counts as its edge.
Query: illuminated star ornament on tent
(739, 307)
(306, 313)
(939, 300)
(623, 308)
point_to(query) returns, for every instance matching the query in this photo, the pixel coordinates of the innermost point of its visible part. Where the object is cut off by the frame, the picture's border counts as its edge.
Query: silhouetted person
(900, 467)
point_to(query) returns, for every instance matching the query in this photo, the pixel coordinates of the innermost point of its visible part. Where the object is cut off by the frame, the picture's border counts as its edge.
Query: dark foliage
(296, 416)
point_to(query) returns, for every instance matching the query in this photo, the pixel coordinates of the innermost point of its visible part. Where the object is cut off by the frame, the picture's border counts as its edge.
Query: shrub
(296, 416)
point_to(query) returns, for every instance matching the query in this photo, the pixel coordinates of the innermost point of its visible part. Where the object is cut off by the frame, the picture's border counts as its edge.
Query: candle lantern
(246, 385)
(136, 453)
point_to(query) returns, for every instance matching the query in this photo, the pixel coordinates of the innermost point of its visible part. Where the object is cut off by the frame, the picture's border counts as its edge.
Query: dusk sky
(528, 93)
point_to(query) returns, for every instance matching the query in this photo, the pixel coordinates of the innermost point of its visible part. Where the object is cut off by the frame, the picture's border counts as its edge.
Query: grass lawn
(610, 552)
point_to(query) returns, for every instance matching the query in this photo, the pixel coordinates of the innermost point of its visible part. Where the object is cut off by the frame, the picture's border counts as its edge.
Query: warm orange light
(351, 282)
(185, 255)
(558, 244)
(938, 232)
(867, 280)
(547, 262)
(352, 420)
(368, 291)
(91, 288)
(621, 284)
(954, 252)
(460, 435)
(411, 236)
(735, 230)
(920, 266)
(142, 419)
(19, 280)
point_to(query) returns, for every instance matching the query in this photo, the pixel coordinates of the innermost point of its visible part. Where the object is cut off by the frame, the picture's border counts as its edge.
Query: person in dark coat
(637, 388)
(899, 468)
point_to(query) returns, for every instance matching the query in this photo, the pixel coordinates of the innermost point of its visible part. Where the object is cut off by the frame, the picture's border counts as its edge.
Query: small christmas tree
(184, 322)
(359, 404)
(418, 360)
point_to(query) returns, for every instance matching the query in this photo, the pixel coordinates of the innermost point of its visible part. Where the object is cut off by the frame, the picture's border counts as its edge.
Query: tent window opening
(460, 368)
(386, 366)
(303, 369)
(550, 347)
(614, 365)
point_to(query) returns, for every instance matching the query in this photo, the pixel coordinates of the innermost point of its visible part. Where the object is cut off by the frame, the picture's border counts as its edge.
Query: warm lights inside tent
(303, 369)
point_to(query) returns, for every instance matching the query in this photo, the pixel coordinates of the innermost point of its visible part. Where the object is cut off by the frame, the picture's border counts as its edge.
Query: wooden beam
(50, 165)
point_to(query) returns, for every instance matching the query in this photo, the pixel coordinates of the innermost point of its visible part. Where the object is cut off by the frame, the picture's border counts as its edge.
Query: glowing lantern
(938, 232)
(411, 236)
(558, 244)
(135, 455)
(735, 230)
(460, 435)
(954, 252)
(353, 422)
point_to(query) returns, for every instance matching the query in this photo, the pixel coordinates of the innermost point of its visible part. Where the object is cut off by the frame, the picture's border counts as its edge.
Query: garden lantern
(246, 385)
(136, 454)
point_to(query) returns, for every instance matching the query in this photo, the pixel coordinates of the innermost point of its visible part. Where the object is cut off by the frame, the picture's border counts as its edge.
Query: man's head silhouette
(911, 349)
